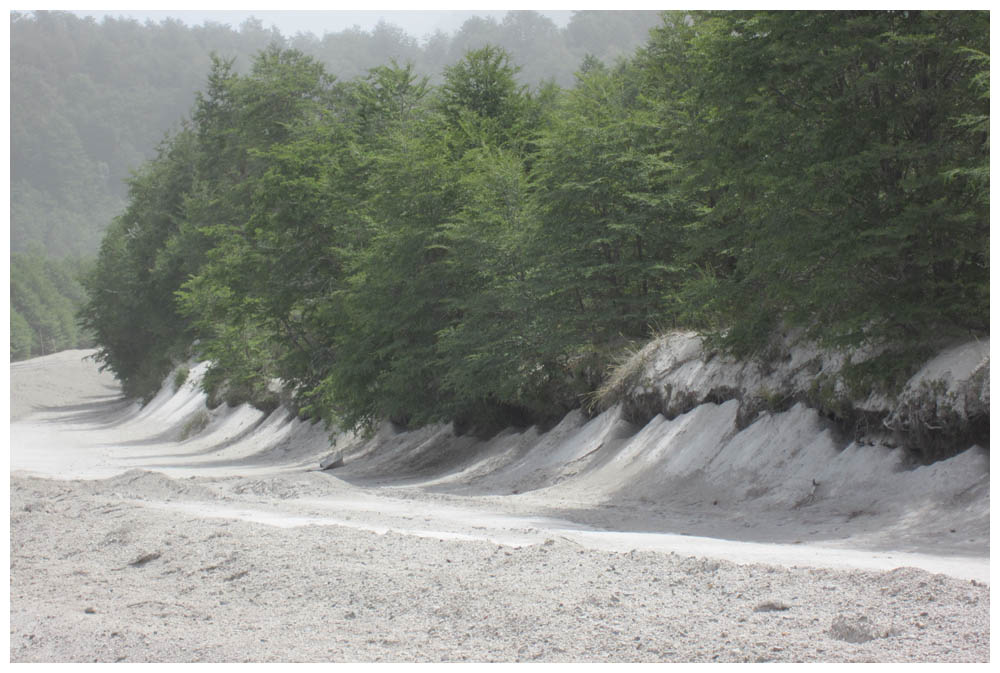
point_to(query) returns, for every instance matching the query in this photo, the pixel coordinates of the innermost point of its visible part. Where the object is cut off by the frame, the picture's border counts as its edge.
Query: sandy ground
(176, 534)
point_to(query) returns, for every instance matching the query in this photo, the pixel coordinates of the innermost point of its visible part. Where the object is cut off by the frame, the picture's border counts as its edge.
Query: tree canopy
(479, 250)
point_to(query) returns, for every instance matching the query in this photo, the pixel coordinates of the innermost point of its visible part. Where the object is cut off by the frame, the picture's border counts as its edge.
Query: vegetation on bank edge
(479, 251)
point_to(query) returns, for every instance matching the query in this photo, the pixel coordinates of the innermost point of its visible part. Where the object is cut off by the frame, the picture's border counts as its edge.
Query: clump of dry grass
(626, 372)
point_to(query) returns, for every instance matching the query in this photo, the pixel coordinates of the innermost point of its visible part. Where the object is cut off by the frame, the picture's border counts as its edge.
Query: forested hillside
(480, 250)
(46, 295)
(91, 100)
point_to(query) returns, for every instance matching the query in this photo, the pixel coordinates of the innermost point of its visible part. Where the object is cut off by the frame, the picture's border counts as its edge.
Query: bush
(180, 377)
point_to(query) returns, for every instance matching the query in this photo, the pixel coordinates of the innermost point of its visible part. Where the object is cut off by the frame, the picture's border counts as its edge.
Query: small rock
(772, 606)
(333, 461)
(144, 559)
(857, 629)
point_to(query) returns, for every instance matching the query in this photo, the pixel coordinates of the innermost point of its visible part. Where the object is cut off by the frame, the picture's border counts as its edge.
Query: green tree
(390, 95)
(830, 153)
(140, 265)
(481, 99)
(248, 206)
(503, 364)
(611, 217)
(394, 303)
(448, 209)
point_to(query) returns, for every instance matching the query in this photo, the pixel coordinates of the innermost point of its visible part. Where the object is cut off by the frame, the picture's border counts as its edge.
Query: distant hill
(90, 100)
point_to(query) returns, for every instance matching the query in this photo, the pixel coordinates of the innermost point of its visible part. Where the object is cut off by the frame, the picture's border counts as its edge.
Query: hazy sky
(417, 23)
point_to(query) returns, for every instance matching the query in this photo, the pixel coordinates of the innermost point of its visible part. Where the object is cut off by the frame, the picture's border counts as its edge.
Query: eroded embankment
(741, 469)
(788, 476)
(942, 410)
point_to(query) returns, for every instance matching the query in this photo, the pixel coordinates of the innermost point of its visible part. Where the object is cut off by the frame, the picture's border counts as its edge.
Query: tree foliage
(835, 148)
(478, 250)
(146, 254)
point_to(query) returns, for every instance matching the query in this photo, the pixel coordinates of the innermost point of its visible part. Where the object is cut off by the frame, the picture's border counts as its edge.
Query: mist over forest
(91, 101)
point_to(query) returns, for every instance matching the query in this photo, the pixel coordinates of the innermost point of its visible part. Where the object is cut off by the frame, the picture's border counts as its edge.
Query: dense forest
(480, 250)
(90, 101)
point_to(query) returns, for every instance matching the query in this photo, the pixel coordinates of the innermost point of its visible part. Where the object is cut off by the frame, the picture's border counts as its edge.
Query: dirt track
(217, 564)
